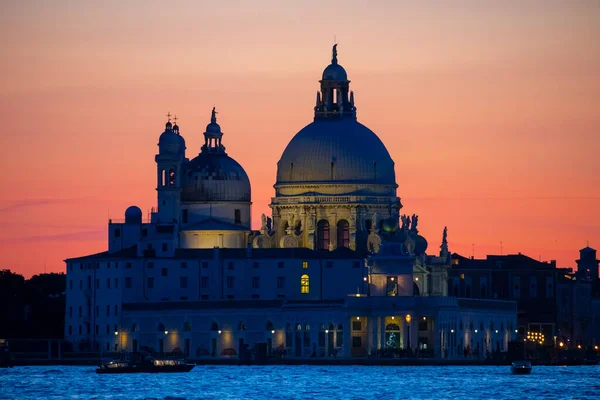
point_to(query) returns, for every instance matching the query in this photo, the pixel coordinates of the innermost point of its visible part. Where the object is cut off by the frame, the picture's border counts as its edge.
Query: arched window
(340, 327)
(306, 327)
(322, 235)
(343, 234)
(171, 177)
(298, 327)
(304, 284)
(161, 327)
(187, 326)
(241, 326)
(214, 326)
(163, 178)
(331, 327)
(134, 327)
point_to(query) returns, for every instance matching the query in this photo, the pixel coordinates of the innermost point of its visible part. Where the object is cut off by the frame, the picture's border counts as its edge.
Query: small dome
(213, 127)
(133, 215)
(170, 143)
(390, 225)
(335, 72)
(420, 245)
(215, 177)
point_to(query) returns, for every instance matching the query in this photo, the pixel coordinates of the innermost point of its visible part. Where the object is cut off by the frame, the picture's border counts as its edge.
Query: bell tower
(169, 162)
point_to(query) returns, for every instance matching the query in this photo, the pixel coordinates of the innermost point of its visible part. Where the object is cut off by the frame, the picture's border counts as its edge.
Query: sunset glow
(490, 111)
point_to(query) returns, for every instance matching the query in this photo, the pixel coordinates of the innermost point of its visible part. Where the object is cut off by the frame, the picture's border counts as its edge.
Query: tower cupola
(213, 136)
(335, 100)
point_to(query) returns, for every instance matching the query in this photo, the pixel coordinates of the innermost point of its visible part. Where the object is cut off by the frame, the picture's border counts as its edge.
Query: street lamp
(408, 318)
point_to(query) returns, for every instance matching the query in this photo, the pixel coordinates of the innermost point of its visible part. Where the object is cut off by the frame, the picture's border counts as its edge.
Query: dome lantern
(335, 99)
(213, 136)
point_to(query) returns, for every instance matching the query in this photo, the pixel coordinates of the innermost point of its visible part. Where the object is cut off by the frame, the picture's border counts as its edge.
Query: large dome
(215, 177)
(336, 150)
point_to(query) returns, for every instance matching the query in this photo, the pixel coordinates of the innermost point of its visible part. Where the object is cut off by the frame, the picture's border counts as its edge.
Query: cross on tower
(169, 115)
(175, 119)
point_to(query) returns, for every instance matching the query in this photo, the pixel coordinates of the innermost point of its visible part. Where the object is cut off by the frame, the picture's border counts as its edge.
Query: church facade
(336, 271)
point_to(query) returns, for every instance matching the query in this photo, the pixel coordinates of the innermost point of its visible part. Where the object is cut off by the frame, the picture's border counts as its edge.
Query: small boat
(521, 367)
(147, 364)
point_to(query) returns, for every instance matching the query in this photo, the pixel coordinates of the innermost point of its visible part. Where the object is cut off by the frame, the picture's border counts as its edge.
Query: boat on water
(521, 367)
(148, 364)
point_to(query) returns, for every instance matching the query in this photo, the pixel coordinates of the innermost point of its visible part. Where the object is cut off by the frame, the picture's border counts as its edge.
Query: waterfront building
(337, 270)
(514, 277)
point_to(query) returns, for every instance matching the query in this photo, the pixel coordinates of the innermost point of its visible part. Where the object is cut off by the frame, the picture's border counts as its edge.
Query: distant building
(531, 283)
(578, 308)
(333, 273)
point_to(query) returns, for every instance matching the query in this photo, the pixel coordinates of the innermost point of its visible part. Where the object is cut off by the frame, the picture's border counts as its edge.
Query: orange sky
(491, 111)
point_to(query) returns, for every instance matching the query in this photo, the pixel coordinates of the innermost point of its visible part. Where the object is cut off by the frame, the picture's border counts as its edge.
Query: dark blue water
(304, 382)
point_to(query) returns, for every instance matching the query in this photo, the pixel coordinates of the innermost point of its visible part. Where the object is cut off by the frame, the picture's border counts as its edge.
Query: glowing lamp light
(166, 332)
(365, 279)
(273, 331)
(424, 318)
(579, 346)
(475, 330)
(326, 330)
(408, 318)
(357, 318)
(561, 344)
(596, 347)
(116, 333)
(417, 279)
(516, 331)
(496, 330)
(219, 332)
(393, 317)
(392, 279)
(451, 330)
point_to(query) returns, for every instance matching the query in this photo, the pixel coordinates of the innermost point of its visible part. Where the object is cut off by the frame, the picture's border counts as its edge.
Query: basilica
(336, 271)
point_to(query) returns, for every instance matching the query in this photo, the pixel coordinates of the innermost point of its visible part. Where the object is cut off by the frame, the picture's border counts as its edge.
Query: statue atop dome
(334, 54)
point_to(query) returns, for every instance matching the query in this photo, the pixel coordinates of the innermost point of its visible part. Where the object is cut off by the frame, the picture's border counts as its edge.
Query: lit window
(304, 284)
(304, 264)
(462, 276)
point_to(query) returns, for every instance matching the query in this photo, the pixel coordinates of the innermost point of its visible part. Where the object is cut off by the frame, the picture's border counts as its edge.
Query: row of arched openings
(324, 237)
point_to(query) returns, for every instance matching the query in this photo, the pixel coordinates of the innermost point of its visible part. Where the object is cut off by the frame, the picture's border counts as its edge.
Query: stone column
(347, 339)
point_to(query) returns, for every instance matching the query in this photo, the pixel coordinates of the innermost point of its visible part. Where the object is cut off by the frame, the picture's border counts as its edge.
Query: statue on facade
(444, 247)
(414, 222)
(405, 221)
(269, 224)
(263, 222)
(374, 222)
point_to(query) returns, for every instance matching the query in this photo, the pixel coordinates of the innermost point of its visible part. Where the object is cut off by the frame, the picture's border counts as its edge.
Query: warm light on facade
(596, 347)
(579, 346)
(408, 318)
(561, 344)
(166, 332)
